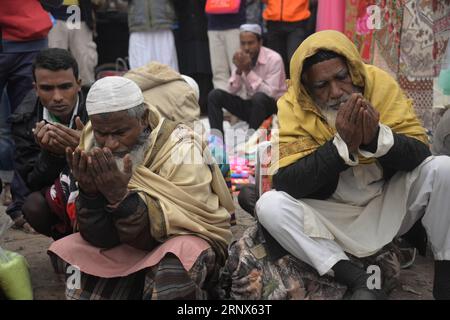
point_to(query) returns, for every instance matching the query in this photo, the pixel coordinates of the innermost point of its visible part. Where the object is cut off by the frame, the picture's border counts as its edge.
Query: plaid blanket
(251, 274)
(168, 280)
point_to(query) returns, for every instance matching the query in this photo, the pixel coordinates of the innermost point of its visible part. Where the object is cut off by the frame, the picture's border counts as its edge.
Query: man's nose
(57, 96)
(111, 142)
(335, 90)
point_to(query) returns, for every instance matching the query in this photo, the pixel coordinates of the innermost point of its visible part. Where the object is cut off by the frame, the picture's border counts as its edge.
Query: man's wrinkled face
(329, 83)
(118, 131)
(250, 44)
(58, 91)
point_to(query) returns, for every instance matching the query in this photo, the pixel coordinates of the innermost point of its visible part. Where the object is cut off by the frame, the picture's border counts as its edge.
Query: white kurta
(363, 214)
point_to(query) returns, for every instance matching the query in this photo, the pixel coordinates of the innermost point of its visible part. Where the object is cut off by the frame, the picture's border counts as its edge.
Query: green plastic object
(444, 81)
(15, 279)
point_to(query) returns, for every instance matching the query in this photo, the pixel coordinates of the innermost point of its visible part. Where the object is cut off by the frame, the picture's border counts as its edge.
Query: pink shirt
(267, 76)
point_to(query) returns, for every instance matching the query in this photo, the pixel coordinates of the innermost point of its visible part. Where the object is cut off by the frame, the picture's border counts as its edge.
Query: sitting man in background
(148, 209)
(255, 85)
(47, 121)
(355, 169)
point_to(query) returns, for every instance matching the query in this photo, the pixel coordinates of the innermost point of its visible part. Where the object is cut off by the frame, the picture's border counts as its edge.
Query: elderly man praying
(153, 223)
(355, 169)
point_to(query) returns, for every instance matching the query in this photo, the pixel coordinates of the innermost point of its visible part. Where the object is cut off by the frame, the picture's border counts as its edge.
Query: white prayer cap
(193, 84)
(111, 94)
(251, 27)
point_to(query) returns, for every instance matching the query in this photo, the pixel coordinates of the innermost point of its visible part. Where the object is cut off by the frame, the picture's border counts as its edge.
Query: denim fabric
(19, 192)
(6, 142)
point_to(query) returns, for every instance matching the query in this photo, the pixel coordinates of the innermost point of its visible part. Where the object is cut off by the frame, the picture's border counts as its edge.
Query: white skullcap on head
(193, 84)
(111, 94)
(255, 28)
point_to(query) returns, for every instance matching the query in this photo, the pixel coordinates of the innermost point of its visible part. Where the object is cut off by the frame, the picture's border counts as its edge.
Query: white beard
(137, 156)
(330, 115)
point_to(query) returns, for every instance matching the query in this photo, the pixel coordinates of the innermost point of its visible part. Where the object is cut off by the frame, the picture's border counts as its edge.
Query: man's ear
(79, 84)
(144, 119)
(34, 85)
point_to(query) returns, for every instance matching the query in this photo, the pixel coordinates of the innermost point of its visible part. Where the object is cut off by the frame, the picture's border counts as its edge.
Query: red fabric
(56, 201)
(123, 259)
(24, 20)
(222, 6)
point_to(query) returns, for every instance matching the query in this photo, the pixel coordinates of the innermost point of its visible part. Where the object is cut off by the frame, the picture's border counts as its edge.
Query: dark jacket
(316, 176)
(38, 168)
(150, 15)
(106, 228)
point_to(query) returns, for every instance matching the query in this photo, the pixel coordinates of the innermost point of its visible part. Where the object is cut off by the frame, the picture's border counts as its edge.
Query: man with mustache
(48, 120)
(354, 169)
(148, 208)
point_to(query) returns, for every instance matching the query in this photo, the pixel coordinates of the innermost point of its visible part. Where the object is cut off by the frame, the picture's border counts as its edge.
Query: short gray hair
(137, 111)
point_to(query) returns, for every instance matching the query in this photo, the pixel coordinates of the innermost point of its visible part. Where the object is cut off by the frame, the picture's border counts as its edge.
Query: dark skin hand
(348, 122)
(97, 172)
(370, 122)
(55, 137)
(109, 179)
(243, 62)
(357, 122)
(78, 164)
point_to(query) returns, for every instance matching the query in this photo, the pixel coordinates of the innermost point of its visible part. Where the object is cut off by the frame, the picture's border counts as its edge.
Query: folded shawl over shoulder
(303, 128)
(167, 91)
(182, 197)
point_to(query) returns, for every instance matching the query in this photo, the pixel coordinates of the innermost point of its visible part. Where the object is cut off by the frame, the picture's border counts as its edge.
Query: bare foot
(21, 224)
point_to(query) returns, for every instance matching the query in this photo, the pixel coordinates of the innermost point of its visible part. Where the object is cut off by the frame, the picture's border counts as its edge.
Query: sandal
(21, 224)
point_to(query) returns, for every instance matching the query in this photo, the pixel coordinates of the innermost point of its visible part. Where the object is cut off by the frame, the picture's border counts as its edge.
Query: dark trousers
(16, 72)
(285, 37)
(19, 192)
(247, 198)
(254, 111)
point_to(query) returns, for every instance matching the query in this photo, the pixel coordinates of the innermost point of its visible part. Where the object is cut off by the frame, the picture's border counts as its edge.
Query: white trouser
(223, 44)
(429, 196)
(158, 45)
(80, 43)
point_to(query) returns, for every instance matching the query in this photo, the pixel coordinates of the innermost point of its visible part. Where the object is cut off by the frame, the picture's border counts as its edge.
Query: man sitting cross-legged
(153, 216)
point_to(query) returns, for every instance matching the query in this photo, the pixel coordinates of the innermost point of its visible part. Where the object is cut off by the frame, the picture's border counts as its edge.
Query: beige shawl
(182, 198)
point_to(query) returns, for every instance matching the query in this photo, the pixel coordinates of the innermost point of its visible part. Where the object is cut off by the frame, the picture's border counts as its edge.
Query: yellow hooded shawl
(181, 198)
(303, 128)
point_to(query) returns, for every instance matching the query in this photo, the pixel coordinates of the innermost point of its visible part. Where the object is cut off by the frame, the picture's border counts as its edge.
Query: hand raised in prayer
(55, 137)
(66, 136)
(242, 61)
(43, 137)
(78, 164)
(109, 179)
(371, 118)
(348, 122)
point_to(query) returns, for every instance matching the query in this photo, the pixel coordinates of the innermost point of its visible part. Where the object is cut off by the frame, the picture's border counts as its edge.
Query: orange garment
(286, 10)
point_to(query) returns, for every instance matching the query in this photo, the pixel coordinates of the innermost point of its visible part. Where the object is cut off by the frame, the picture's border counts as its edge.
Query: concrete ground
(415, 283)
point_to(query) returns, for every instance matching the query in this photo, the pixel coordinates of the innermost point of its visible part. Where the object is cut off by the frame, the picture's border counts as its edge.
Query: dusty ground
(415, 283)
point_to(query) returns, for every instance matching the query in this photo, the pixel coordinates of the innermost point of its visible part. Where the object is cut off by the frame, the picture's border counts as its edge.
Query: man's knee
(261, 98)
(441, 165)
(268, 209)
(247, 198)
(37, 212)
(216, 96)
